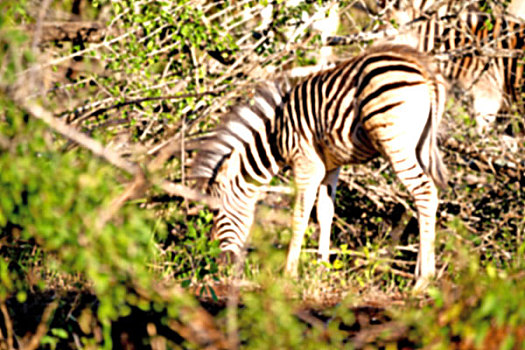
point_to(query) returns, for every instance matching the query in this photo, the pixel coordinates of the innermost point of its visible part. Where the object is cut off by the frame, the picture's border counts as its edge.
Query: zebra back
(245, 126)
(396, 65)
(387, 100)
(482, 53)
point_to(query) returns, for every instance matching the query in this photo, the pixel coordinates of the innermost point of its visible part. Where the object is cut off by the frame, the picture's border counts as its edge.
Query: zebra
(488, 50)
(386, 101)
(433, 27)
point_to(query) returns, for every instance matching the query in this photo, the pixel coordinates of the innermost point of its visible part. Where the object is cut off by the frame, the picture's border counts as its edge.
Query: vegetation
(104, 244)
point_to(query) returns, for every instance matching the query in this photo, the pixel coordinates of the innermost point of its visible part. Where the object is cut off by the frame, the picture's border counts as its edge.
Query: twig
(393, 330)
(42, 328)
(195, 324)
(134, 189)
(112, 157)
(81, 52)
(361, 37)
(145, 99)
(8, 325)
(85, 141)
(188, 193)
(89, 32)
(389, 269)
(513, 171)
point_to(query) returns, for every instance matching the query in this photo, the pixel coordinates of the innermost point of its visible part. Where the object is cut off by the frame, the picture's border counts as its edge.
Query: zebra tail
(437, 168)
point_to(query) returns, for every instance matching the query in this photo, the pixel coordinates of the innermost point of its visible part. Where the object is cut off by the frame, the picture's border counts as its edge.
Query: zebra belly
(357, 149)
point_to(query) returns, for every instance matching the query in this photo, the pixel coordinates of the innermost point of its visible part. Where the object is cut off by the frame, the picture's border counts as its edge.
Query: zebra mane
(236, 128)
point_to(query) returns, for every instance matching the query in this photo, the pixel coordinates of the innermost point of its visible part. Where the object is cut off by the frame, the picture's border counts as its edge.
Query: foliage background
(100, 248)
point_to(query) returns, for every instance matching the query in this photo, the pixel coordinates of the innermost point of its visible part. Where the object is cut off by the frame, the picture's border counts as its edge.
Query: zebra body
(387, 101)
(477, 40)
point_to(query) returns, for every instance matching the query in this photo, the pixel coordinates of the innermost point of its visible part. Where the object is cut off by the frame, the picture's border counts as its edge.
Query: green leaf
(185, 283)
(338, 264)
(59, 332)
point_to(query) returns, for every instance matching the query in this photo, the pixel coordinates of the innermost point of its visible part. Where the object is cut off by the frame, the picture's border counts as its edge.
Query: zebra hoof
(322, 268)
(292, 270)
(421, 286)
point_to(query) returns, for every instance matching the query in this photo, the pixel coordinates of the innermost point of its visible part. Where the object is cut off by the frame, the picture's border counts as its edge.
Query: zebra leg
(487, 98)
(425, 195)
(426, 203)
(325, 212)
(308, 175)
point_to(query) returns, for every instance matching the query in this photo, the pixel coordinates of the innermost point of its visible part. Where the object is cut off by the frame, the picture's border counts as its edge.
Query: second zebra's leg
(308, 174)
(487, 98)
(425, 195)
(325, 212)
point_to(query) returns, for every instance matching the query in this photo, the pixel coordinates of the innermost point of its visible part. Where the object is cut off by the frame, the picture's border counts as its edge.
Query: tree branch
(89, 32)
(112, 157)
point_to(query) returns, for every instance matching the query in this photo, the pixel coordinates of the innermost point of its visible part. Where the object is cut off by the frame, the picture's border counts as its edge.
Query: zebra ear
(283, 84)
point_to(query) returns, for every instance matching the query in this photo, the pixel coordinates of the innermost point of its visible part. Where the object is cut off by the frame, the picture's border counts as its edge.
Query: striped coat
(386, 101)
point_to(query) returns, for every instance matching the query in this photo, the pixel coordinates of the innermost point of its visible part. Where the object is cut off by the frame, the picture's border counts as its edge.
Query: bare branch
(89, 32)
(85, 141)
(112, 157)
(8, 325)
(186, 192)
(361, 37)
(145, 99)
(134, 189)
(42, 328)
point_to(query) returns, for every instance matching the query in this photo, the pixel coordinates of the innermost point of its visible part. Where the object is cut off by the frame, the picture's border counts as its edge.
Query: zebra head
(236, 160)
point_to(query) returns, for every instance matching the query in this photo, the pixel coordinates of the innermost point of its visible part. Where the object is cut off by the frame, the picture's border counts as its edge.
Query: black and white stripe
(483, 53)
(387, 101)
